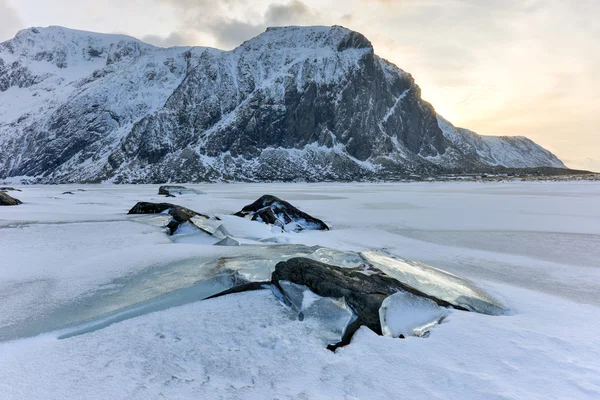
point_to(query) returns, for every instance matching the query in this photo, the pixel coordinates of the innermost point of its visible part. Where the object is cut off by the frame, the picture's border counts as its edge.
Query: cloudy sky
(498, 67)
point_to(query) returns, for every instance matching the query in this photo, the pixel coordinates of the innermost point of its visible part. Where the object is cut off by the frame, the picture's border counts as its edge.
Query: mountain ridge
(293, 103)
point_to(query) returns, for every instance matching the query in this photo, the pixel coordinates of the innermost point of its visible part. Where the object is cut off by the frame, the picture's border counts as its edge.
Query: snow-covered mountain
(503, 151)
(311, 103)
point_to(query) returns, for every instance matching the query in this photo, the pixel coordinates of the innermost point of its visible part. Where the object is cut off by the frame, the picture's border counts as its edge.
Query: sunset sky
(498, 67)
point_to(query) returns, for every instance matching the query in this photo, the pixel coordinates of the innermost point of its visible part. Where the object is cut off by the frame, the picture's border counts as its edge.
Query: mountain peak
(40, 48)
(335, 38)
(61, 33)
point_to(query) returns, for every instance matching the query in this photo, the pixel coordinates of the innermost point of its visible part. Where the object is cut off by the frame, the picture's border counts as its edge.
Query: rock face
(6, 200)
(294, 103)
(274, 211)
(363, 290)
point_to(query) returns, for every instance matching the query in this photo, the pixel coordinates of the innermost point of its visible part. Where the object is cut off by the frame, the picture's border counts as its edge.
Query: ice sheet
(333, 315)
(405, 314)
(437, 283)
(145, 291)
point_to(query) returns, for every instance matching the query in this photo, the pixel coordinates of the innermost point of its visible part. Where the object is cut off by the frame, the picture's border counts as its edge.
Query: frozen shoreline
(532, 244)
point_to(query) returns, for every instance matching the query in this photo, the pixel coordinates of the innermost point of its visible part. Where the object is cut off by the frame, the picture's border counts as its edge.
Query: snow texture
(532, 245)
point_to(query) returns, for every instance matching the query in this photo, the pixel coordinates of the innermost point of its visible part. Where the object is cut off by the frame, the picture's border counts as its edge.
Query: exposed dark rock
(178, 214)
(6, 200)
(68, 193)
(274, 211)
(8, 189)
(364, 291)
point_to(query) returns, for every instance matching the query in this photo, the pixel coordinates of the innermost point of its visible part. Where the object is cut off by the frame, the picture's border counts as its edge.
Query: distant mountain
(294, 103)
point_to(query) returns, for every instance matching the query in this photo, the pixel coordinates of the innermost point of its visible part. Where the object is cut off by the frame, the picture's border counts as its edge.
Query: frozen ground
(534, 245)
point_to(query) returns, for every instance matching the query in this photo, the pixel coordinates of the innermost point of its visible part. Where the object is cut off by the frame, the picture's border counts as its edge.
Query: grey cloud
(231, 33)
(215, 19)
(174, 39)
(10, 23)
(294, 12)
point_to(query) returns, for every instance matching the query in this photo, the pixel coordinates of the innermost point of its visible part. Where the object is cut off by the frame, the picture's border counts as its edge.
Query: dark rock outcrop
(6, 200)
(363, 290)
(274, 211)
(178, 214)
(9, 189)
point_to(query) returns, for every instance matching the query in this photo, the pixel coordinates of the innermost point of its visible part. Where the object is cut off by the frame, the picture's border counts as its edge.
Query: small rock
(68, 193)
(9, 188)
(172, 190)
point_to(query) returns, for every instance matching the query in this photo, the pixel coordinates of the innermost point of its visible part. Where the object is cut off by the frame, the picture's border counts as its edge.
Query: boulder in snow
(172, 190)
(274, 211)
(6, 200)
(363, 289)
(178, 214)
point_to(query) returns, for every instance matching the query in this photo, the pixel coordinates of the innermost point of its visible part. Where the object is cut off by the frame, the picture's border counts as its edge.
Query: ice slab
(344, 259)
(199, 291)
(257, 263)
(333, 315)
(145, 290)
(406, 314)
(228, 241)
(437, 283)
(211, 226)
(190, 234)
(160, 220)
(247, 229)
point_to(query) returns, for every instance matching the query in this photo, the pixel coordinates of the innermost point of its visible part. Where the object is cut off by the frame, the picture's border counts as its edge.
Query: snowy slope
(77, 94)
(311, 103)
(506, 151)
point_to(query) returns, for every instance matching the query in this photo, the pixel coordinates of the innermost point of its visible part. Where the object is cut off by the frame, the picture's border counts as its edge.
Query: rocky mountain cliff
(294, 103)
